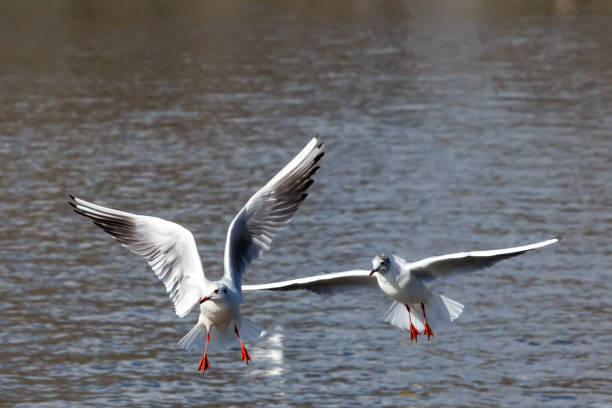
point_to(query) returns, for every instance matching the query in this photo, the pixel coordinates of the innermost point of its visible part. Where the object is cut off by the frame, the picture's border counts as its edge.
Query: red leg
(244, 354)
(204, 364)
(428, 332)
(413, 331)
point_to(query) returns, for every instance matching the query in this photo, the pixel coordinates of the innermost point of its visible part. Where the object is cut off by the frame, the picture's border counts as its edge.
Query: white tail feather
(249, 331)
(453, 307)
(195, 339)
(397, 315)
(439, 309)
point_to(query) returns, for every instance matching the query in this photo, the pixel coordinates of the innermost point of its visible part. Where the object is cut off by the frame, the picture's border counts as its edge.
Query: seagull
(171, 252)
(405, 282)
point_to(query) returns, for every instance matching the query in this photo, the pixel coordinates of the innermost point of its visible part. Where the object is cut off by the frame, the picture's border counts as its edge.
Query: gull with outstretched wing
(405, 282)
(171, 252)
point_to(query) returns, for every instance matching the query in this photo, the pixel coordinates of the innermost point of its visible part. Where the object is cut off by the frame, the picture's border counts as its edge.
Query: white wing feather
(267, 211)
(169, 249)
(463, 262)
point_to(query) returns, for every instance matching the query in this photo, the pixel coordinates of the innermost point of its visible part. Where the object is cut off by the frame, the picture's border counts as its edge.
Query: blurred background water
(449, 126)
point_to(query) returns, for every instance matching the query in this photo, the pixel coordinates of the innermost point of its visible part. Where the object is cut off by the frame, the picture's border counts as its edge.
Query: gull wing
(169, 249)
(438, 267)
(330, 283)
(267, 211)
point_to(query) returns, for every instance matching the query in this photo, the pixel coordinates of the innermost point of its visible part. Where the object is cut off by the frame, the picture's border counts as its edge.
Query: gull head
(380, 264)
(218, 292)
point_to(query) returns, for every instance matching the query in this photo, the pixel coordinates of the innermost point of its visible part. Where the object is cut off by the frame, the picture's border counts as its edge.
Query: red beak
(372, 272)
(204, 299)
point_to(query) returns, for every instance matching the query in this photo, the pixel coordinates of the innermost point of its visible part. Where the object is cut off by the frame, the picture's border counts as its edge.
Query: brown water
(450, 126)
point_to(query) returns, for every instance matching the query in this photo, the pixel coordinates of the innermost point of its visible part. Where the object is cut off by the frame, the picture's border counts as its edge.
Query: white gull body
(415, 307)
(171, 252)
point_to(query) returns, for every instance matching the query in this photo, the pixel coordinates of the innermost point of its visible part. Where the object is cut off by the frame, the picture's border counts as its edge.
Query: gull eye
(216, 290)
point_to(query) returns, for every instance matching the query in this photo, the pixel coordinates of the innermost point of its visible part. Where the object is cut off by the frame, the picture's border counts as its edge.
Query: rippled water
(449, 126)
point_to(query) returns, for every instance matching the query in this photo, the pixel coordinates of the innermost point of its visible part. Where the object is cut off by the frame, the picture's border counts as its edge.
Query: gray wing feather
(330, 283)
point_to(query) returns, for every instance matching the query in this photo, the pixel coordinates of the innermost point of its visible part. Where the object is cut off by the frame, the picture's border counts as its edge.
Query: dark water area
(449, 126)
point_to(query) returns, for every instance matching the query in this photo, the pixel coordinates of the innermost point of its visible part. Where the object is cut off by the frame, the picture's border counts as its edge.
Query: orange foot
(244, 354)
(204, 364)
(427, 332)
(413, 331)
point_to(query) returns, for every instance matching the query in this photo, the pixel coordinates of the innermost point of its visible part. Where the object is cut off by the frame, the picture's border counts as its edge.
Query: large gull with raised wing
(405, 282)
(171, 252)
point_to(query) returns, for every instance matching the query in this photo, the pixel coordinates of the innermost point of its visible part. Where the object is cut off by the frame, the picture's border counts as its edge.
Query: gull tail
(195, 339)
(439, 309)
(453, 308)
(249, 331)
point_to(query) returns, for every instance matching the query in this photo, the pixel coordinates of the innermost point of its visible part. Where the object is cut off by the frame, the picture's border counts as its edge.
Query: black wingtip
(81, 212)
(560, 237)
(313, 171)
(321, 142)
(307, 184)
(318, 157)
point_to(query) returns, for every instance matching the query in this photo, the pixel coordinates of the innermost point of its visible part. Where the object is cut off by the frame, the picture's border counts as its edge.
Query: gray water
(449, 126)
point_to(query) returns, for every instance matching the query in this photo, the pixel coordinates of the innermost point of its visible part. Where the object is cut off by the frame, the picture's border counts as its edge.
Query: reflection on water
(270, 354)
(450, 126)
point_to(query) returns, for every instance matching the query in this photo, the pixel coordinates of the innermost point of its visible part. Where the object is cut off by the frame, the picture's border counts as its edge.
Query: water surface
(449, 126)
